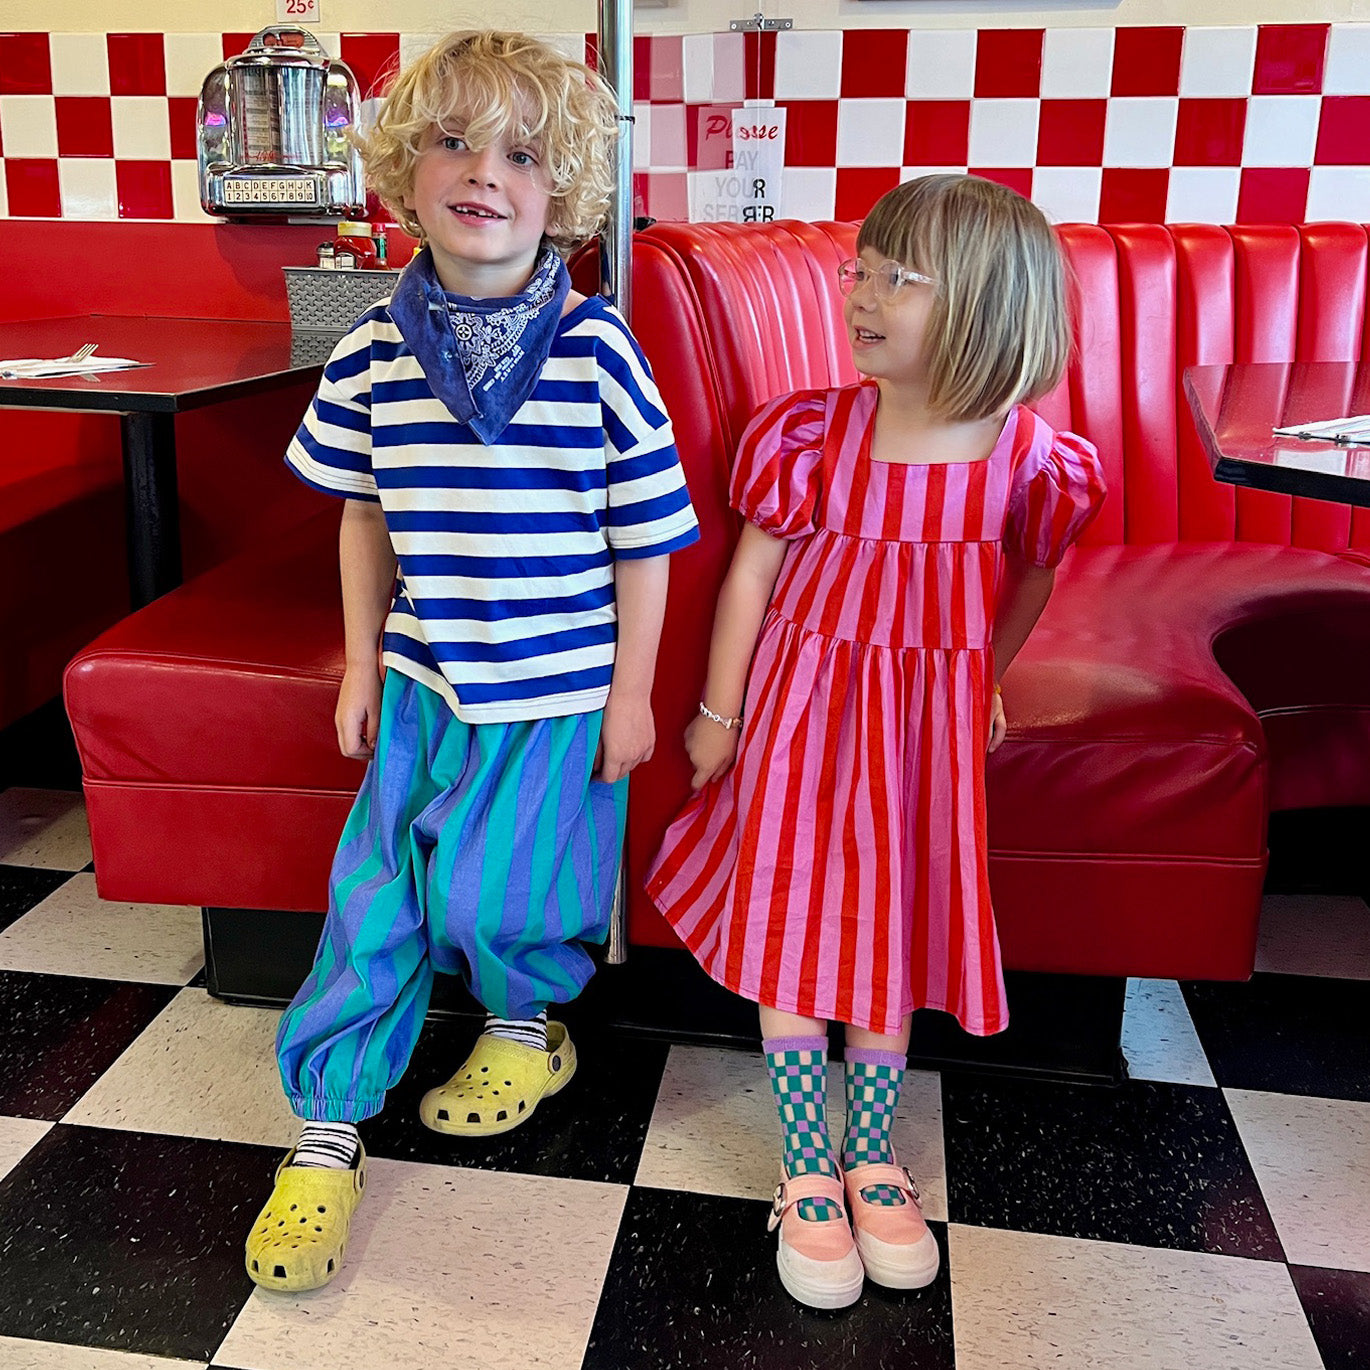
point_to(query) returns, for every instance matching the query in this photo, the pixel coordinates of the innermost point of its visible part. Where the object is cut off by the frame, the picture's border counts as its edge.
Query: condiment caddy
(350, 275)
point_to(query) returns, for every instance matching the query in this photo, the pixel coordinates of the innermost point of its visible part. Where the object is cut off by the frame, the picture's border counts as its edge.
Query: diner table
(1238, 406)
(192, 363)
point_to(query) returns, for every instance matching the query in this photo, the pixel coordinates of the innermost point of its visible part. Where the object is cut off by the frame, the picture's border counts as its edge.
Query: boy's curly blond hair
(494, 83)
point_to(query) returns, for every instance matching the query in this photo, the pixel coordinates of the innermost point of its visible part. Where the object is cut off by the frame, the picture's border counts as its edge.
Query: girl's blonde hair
(502, 84)
(998, 332)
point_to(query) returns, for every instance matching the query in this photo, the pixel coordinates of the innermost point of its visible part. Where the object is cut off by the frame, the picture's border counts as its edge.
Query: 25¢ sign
(299, 11)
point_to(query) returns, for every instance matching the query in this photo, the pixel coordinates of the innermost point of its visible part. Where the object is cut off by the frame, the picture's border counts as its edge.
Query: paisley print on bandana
(482, 358)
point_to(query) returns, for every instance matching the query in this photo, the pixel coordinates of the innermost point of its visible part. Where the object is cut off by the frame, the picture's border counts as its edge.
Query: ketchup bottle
(355, 239)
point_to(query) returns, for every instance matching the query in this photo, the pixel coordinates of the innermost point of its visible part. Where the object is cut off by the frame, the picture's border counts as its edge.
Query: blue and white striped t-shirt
(505, 598)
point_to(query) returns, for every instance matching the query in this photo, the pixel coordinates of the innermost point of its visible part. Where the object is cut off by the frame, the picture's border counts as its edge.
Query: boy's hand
(712, 749)
(627, 737)
(358, 715)
(998, 724)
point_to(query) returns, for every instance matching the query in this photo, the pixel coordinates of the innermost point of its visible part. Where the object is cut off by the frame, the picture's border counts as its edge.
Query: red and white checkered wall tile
(1267, 122)
(1158, 123)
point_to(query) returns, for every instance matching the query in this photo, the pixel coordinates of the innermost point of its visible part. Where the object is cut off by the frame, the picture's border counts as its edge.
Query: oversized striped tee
(504, 601)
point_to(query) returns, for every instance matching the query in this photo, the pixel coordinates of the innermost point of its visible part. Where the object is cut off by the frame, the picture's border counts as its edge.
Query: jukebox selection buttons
(270, 190)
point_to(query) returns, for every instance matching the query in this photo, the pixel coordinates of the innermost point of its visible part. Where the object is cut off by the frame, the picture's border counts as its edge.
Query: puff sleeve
(778, 471)
(1057, 490)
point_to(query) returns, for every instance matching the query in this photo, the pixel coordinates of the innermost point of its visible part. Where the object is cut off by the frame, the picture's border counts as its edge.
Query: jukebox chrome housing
(274, 126)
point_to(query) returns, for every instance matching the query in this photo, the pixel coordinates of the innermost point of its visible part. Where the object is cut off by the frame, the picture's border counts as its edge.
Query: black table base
(151, 506)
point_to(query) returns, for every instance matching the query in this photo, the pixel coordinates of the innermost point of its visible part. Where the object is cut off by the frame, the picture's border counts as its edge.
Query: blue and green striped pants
(481, 850)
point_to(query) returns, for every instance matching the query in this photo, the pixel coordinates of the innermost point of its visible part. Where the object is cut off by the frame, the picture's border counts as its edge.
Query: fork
(79, 355)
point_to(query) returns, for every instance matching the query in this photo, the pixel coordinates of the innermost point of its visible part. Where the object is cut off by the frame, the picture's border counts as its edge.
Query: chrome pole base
(616, 949)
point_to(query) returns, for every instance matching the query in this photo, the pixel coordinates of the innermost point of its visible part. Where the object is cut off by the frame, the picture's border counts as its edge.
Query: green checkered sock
(874, 1080)
(798, 1067)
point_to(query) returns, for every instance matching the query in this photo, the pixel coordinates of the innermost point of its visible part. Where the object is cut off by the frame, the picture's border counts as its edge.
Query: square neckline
(868, 435)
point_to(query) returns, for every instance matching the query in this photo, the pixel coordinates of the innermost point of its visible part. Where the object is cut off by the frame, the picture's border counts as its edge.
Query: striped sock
(874, 1080)
(527, 1032)
(327, 1146)
(798, 1067)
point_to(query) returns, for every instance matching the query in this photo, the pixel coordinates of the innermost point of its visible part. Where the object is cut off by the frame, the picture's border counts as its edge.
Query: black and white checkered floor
(1213, 1212)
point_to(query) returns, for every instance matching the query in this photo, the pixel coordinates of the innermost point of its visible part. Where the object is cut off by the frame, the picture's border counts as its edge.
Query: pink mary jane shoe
(817, 1258)
(896, 1247)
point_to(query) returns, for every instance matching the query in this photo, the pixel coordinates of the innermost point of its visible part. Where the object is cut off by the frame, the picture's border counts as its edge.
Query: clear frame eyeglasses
(889, 277)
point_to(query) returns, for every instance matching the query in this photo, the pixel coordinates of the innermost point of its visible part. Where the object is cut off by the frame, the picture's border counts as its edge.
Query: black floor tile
(129, 1241)
(1150, 1164)
(593, 1130)
(1338, 1306)
(24, 887)
(692, 1283)
(60, 1033)
(1291, 1034)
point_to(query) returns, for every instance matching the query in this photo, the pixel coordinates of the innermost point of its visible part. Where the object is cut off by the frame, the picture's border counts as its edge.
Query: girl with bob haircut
(512, 493)
(900, 542)
(997, 328)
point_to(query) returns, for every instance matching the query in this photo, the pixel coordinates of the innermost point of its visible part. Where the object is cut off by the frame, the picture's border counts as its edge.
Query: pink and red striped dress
(839, 869)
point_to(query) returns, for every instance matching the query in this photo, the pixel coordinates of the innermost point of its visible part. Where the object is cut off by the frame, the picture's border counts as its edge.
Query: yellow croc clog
(499, 1085)
(300, 1236)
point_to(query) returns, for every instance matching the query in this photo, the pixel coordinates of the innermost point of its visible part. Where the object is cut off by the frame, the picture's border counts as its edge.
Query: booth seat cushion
(1135, 777)
(1133, 647)
(205, 726)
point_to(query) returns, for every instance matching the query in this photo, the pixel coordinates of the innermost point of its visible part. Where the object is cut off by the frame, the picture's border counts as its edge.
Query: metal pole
(616, 66)
(616, 285)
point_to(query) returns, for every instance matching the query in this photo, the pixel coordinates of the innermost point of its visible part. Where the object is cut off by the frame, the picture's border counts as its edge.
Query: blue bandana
(481, 358)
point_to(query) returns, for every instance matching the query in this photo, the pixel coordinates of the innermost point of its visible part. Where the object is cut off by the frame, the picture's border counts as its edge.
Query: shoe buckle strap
(815, 1185)
(778, 1207)
(889, 1173)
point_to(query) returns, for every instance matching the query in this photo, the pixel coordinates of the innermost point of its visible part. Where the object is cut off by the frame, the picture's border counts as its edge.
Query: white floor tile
(1020, 1299)
(75, 932)
(1315, 934)
(1159, 1039)
(44, 828)
(18, 1136)
(714, 1129)
(18, 1354)
(1312, 1158)
(202, 1068)
(466, 1269)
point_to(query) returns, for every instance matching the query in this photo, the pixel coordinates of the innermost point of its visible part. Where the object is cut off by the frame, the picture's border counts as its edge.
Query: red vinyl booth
(63, 575)
(1203, 660)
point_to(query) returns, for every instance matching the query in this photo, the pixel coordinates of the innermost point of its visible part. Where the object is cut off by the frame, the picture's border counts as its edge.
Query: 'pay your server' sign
(740, 165)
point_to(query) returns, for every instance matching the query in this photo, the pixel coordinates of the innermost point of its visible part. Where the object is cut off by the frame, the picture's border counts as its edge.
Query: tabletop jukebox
(274, 126)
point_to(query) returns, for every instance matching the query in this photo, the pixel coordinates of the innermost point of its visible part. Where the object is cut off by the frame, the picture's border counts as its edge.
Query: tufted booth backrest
(1148, 300)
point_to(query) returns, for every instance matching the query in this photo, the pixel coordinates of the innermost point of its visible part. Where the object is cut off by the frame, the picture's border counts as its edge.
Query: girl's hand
(712, 749)
(998, 724)
(627, 737)
(358, 715)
